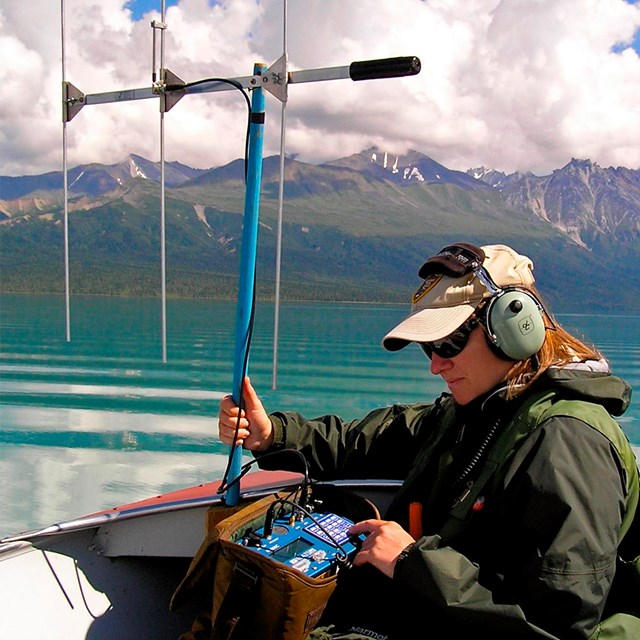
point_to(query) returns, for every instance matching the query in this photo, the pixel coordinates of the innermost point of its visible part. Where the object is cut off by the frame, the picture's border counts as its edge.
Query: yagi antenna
(169, 89)
(274, 79)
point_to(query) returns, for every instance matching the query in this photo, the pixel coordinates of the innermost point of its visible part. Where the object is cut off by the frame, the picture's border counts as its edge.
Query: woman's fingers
(250, 427)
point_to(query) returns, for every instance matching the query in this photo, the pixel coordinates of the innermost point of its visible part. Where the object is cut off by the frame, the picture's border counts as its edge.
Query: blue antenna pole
(246, 284)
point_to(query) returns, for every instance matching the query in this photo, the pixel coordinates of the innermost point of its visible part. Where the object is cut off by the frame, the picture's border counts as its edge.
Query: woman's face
(474, 371)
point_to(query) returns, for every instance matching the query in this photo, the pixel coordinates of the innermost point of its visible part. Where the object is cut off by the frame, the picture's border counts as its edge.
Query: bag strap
(242, 588)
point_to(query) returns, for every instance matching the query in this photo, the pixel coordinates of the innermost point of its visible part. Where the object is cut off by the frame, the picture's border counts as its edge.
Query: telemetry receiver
(315, 545)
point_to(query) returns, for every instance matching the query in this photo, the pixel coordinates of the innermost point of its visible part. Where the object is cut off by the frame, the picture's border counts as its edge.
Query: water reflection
(42, 485)
(102, 421)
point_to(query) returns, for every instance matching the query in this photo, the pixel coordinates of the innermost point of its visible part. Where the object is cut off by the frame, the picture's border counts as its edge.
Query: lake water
(102, 420)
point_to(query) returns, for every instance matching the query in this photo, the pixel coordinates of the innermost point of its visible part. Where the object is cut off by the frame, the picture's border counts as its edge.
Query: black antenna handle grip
(269, 519)
(385, 68)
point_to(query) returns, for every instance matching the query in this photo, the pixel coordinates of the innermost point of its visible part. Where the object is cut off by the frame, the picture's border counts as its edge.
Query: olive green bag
(253, 596)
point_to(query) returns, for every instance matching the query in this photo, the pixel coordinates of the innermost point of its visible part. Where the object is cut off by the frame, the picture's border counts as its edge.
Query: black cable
(342, 555)
(464, 474)
(233, 83)
(246, 467)
(243, 374)
(237, 85)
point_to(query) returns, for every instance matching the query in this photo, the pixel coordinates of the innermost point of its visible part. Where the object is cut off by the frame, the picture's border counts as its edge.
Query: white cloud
(515, 85)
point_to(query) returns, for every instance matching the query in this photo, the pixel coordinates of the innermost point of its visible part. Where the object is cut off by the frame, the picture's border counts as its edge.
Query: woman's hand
(255, 431)
(383, 544)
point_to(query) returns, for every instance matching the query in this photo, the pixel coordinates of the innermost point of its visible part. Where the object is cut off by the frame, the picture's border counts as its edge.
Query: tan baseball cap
(442, 303)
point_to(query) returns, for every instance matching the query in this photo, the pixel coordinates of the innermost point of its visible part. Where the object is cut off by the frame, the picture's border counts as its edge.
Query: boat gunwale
(163, 503)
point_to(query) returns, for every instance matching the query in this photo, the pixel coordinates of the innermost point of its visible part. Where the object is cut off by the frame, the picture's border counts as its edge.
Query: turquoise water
(101, 420)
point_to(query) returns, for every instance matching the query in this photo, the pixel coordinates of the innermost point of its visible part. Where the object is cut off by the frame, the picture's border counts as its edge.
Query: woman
(518, 484)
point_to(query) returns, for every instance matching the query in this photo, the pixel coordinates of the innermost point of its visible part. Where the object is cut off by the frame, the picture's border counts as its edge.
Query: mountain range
(355, 228)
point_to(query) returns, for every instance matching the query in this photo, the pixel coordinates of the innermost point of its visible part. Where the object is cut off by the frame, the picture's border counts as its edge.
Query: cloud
(513, 85)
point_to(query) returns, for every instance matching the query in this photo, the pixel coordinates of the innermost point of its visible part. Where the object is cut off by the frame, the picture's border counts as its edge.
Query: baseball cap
(443, 302)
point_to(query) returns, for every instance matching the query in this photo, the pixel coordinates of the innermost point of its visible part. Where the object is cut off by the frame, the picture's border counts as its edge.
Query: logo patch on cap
(430, 282)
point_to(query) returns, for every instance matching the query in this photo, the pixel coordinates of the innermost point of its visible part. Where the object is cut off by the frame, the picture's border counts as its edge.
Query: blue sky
(636, 39)
(140, 7)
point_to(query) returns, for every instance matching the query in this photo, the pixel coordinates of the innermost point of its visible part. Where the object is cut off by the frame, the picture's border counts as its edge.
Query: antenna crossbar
(274, 80)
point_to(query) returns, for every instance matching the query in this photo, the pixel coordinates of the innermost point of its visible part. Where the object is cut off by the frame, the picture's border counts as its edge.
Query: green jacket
(523, 504)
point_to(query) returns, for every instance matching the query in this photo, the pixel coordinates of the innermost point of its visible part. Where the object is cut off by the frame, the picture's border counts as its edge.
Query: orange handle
(415, 520)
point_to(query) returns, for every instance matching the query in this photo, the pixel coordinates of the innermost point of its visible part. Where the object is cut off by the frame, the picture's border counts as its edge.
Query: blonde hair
(559, 348)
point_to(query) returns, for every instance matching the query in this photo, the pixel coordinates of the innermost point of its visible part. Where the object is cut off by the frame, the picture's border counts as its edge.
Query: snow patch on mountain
(135, 170)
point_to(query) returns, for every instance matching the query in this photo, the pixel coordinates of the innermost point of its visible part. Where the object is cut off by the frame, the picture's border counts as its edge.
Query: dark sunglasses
(454, 343)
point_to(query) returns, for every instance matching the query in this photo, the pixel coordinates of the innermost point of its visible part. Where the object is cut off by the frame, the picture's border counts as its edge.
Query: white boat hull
(111, 575)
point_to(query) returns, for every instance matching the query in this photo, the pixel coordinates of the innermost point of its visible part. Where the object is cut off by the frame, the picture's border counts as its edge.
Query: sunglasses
(454, 343)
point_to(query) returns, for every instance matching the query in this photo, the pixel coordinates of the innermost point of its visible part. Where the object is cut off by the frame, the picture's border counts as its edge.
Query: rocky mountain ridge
(371, 215)
(588, 203)
(582, 199)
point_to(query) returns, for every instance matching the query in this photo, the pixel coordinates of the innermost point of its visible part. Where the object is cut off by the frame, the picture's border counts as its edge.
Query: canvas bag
(252, 596)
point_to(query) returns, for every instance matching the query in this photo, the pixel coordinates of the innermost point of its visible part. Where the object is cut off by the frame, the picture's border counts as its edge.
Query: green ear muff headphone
(513, 317)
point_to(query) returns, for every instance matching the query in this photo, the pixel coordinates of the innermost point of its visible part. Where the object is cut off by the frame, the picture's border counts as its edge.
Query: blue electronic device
(313, 545)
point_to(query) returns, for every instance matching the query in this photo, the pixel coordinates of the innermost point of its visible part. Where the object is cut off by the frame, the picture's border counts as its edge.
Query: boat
(111, 574)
